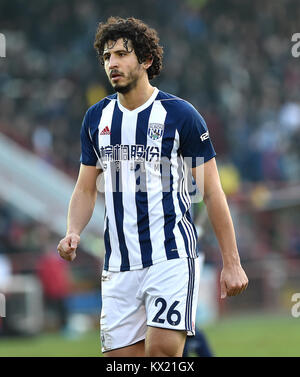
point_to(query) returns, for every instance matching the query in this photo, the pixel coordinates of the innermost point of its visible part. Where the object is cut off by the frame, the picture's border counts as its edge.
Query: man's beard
(123, 89)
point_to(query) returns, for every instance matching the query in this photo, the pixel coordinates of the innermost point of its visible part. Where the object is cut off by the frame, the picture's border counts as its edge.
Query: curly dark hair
(144, 40)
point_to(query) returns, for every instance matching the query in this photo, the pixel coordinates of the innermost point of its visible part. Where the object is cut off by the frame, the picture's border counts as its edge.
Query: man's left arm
(233, 278)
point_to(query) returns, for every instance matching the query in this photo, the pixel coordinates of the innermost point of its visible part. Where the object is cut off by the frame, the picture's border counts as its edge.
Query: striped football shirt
(143, 156)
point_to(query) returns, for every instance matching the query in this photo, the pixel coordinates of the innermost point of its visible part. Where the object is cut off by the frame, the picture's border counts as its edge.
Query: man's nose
(113, 62)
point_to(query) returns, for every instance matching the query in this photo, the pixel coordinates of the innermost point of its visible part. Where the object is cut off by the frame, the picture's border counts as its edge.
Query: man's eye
(106, 57)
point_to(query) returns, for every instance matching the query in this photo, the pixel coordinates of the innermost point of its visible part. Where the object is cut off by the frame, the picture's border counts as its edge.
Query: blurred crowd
(231, 60)
(19, 233)
(28, 248)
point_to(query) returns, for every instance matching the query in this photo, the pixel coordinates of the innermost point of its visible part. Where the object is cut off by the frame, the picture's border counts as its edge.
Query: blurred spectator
(5, 276)
(55, 277)
(42, 143)
(5, 271)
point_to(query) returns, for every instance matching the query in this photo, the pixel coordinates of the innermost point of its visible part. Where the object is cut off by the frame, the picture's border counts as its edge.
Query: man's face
(121, 65)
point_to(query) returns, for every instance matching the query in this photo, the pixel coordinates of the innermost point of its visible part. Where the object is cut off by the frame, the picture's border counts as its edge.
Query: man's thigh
(164, 343)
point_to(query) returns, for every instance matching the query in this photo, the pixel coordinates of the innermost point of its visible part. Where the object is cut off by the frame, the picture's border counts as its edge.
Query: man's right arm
(80, 211)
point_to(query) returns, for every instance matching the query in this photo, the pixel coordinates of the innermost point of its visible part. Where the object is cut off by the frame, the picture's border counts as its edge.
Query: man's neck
(137, 96)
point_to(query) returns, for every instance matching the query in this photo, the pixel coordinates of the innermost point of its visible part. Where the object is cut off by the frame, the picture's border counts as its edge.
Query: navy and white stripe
(190, 293)
(141, 198)
(147, 205)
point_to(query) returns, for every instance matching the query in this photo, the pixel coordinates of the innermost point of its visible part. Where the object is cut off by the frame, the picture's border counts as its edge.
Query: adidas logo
(105, 131)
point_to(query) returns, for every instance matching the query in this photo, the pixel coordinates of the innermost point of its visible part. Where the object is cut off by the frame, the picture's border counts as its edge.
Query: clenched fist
(67, 246)
(233, 280)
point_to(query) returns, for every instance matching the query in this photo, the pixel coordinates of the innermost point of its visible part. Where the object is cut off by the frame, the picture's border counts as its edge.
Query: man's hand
(67, 246)
(233, 280)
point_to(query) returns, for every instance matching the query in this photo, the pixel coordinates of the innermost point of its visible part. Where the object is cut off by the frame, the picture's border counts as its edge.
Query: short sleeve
(88, 155)
(195, 143)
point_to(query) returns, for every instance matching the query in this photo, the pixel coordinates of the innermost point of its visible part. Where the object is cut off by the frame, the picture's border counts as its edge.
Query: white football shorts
(163, 295)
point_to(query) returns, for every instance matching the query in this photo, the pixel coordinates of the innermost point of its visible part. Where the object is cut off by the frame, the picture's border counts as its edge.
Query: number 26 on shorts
(173, 315)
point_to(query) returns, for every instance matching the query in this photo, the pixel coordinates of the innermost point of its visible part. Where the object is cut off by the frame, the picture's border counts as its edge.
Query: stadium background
(232, 60)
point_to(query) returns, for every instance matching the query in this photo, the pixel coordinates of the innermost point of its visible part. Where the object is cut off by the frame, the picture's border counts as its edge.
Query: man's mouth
(115, 76)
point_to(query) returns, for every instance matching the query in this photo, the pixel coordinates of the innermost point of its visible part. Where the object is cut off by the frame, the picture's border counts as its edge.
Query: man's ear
(147, 63)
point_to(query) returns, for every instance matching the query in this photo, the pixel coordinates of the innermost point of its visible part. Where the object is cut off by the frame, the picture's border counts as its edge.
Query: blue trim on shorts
(190, 294)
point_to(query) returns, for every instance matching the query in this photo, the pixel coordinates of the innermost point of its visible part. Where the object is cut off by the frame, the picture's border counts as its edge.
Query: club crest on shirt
(155, 130)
